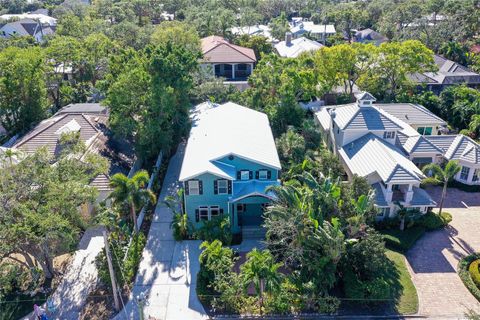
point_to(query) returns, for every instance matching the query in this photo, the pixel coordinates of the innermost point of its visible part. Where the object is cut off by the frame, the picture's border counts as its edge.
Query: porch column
(409, 195)
(388, 193)
(470, 175)
(233, 71)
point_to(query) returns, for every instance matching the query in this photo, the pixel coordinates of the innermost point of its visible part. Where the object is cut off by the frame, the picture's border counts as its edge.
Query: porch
(233, 71)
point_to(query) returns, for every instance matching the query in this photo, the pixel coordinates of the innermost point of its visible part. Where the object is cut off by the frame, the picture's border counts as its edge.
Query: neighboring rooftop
(302, 27)
(369, 36)
(216, 49)
(256, 30)
(228, 129)
(89, 120)
(449, 72)
(38, 17)
(293, 48)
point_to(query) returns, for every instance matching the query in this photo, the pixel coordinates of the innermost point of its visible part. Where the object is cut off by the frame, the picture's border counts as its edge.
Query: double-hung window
(245, 175)
(203, 212)
(214, 211)
(464, 173)
(262, 174)
(193, 187)
(222, 186)
(475, 177)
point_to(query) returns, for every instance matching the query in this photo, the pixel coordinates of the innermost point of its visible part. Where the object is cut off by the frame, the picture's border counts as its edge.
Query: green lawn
(408, 301)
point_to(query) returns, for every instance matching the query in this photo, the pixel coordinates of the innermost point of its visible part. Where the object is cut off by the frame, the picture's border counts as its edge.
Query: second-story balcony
(398, 195)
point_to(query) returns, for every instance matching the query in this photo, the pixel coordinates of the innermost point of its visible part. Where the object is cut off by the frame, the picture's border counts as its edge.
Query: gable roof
(369, 35)
(370, 154)
(296, 47)
(216, 49)
(411, 113)
(420, 144)
(228, 129)
(354, 117)
(364, 95)
(457, 147)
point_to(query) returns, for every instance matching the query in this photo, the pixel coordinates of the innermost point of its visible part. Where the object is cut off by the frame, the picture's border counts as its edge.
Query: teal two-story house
(229, 162)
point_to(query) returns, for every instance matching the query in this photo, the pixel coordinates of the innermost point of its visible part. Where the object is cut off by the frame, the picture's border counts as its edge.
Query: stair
(253, 232)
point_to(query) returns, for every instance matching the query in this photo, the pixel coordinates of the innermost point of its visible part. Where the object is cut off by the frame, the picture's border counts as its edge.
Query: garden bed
(465, 274)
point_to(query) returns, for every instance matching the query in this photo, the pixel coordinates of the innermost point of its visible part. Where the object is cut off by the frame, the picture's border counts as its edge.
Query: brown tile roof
(46, 133)
(216, 49)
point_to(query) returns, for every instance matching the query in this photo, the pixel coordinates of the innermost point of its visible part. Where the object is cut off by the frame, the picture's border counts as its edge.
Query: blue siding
(209, 198)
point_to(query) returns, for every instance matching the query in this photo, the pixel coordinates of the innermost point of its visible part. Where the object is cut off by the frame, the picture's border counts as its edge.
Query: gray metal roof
(354, 117)
(457, 147)
(422, 198)
(379, 197)
(420, 144)
(371, 154)
(412, 114)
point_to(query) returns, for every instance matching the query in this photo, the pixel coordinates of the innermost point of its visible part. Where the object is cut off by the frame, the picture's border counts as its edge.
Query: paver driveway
(434, 259)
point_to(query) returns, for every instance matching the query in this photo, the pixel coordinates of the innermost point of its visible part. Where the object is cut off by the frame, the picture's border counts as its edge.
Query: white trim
(253, 194)
(248, 159)
(205, 172)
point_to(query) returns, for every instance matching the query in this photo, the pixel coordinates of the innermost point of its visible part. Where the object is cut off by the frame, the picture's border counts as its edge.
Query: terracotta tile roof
(216, 49)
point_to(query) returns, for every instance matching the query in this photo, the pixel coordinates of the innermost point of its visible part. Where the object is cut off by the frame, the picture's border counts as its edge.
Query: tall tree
(443, 175)
(132, 192)
(39, 215)
(23, 92)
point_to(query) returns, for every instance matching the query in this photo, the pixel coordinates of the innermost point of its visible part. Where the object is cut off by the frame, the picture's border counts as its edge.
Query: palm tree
(132, 192)
(444, 176)
(10, 154)
(474, 125)
(180, 224)
(261, 270)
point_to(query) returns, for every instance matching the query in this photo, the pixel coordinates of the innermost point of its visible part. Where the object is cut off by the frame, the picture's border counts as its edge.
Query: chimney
(288, 39)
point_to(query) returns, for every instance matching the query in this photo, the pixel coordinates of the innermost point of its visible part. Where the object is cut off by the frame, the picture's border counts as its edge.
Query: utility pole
(112, 273)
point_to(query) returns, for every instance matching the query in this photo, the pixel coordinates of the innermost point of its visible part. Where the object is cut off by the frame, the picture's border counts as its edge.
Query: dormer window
(389, 135)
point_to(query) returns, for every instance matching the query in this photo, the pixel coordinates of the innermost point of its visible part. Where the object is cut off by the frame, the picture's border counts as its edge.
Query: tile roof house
(389, 143)
(292, 48)
(36, 25)
(256, 30)
(89, 119)
(229, 162)
(227, 60)
(449, 73)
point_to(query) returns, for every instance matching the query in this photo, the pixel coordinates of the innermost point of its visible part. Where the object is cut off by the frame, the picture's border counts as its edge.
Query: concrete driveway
(168, 270)
(434, 258)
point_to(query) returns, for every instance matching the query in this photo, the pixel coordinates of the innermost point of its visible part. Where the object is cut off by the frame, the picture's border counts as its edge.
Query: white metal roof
(227, 129)
(370, 154)
(296, 47)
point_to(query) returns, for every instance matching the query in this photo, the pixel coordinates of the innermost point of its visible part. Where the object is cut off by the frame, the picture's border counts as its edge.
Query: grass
(407, 302)
(402, 240)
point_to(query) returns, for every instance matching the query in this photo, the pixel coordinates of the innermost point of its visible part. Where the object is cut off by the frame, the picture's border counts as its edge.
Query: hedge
(433, 221)
(396, 239)
(474, 270)
(463, 187)
(465, 275)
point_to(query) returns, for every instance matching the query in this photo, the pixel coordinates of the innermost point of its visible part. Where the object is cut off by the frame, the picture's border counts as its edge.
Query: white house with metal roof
(389, 143)
(230, 160)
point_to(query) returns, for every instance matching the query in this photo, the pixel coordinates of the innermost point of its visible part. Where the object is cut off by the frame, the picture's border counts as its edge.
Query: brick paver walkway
(434, 258)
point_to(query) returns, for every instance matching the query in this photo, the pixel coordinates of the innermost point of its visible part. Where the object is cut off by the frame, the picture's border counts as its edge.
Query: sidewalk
(80, 279)
(167, 272)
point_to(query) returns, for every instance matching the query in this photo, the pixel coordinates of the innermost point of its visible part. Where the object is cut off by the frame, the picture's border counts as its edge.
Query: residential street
(167, 272)
(434, 258)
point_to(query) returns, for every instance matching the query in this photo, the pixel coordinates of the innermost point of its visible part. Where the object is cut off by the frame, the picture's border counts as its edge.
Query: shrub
(216, 229)
(465, 275)
(433, 221)
(388, 223)
(134, 256)
(402, 240)
(474, 270)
